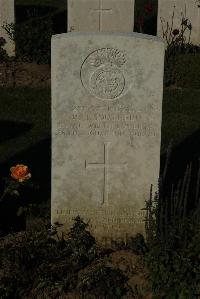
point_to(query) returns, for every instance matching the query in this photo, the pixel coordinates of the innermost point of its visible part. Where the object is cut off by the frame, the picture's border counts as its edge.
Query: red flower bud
(148, 8)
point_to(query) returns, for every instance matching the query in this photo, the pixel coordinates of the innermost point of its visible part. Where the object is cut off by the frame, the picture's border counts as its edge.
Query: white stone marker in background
(101, 15)
(189, 8)
(106, 129)
(7, 15)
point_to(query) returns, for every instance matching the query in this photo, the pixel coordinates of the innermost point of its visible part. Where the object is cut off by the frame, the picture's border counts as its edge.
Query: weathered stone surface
(189, 9)
(7, 16)
(106, 129)
(101, 15)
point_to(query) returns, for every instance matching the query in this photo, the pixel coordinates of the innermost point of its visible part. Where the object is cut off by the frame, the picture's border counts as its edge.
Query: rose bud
(20, 172)
(148, 8)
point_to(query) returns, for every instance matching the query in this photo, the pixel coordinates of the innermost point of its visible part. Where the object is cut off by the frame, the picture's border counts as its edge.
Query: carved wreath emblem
(102, 74)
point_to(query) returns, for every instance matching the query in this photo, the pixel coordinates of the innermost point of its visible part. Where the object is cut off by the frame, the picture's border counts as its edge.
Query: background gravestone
(101, 15)
(7, 15)
(106, 129)
(190, 10)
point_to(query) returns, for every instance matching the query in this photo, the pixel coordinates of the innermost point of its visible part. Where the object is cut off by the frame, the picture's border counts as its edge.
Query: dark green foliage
(14, 203)
(3, 54)
(134, 244)
(173, 236)
(182, 66)
(178, 43)
(43, 263)
(32, 39)
(35, 260)
(137, 244)
(80, 245)
(102, 282)
(33, 35)
(187, 70)
(180, 119)
(175, 272)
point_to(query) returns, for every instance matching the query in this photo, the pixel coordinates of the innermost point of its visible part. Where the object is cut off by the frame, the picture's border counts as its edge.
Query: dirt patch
(131, 265)
(25, 74)
(122, 268)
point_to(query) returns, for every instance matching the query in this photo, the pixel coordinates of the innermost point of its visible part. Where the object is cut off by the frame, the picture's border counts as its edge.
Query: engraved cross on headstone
(101, 10)
(105, 166)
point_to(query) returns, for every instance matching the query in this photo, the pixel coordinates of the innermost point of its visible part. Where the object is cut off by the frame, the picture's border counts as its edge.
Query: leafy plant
(3, 53)
(173, 236)
(177, 42)
(32, 39)
(13, 201)
(135, 244)
(187, 69)
(173, 274)
(80, 244)
(42, 262)
(102, 282)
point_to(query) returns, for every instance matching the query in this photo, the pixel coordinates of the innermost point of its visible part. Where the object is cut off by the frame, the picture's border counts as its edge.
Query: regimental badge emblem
(102, 73)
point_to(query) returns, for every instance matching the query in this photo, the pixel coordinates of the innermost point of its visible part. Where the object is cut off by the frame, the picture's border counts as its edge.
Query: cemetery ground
(36, 262)
(37, 267)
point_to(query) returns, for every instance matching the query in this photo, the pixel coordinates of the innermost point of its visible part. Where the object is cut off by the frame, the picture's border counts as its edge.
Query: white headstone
(189, 9)
(101, 15)
(7, 16)
(106, 129)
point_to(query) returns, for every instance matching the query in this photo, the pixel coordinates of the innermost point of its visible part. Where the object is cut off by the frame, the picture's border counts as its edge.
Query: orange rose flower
(20, 172)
